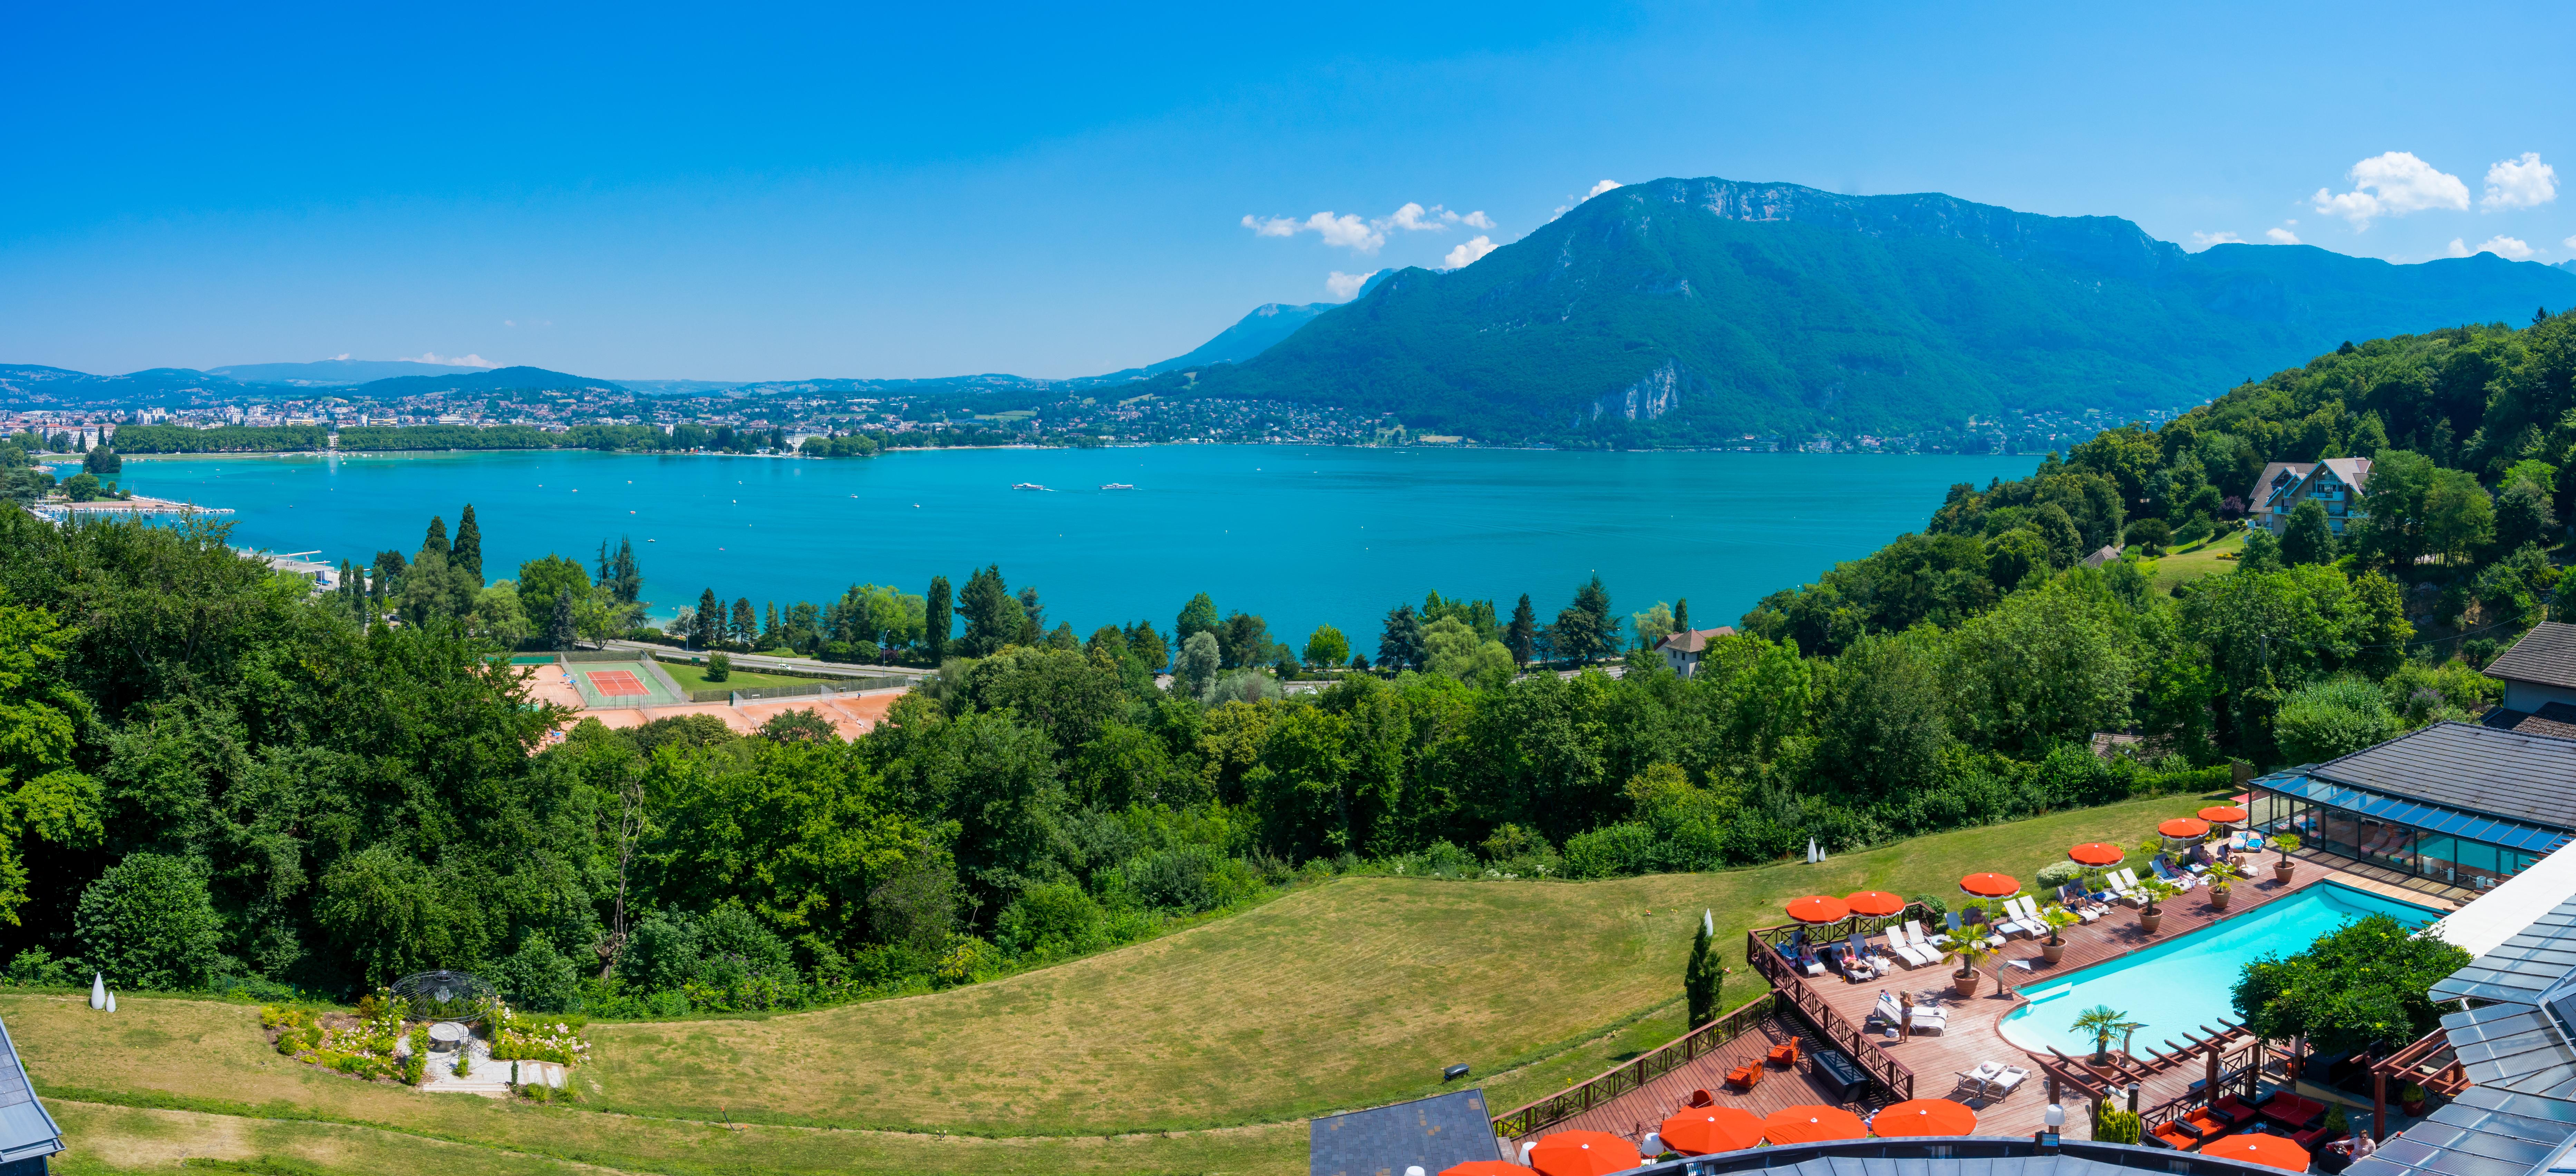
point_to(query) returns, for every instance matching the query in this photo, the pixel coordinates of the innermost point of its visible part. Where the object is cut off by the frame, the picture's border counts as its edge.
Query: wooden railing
(1785, 980)
(1646, 1067)
(1824, 933)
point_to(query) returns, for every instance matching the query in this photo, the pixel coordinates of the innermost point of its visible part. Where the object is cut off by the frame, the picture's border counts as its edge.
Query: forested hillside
(220, 781)
(1696, 311)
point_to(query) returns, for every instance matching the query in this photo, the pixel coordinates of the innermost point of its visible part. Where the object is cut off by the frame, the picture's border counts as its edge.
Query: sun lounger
(2006, 1081)
(1974, 1081)
(1960, 931)
(2008, 919)
(2030, 918)
(1934, 945)
(1879, 965)
(1907, 953)
(1924, 1018)
(2124, 888)
(1887, 1011)
(2074, 898)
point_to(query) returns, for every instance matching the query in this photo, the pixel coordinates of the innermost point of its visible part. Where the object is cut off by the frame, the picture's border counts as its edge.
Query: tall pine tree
(468, 551)
(1701, 977)
(936, 620)
(436, 540)
(746, 625)
(710, 619)
(1522, 636)
(559, 627)
(1681, 614)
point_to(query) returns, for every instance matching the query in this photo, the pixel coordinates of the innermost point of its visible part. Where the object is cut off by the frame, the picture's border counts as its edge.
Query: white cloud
(1467, 252)
(2282, 236)
(2393, 184)
(2570, 242)
(1346, 286)
(2502, 246)
(2520, 183)
(449, 360)
(1349, 231)
(1600, 188)
(342, 355)
(1478, 220)
(2205, 240)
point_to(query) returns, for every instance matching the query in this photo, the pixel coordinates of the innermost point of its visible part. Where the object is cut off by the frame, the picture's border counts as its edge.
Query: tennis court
(617, 683)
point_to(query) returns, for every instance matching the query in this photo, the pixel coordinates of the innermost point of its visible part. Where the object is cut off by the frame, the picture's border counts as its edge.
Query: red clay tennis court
(617, 683)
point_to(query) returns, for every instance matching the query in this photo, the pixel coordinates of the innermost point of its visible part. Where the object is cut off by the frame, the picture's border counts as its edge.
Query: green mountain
(508, 379)
(1689, 311)
(334, 371)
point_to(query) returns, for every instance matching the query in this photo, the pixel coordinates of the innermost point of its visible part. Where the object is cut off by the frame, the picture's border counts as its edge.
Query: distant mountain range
(1691, 310)
(1682, 312)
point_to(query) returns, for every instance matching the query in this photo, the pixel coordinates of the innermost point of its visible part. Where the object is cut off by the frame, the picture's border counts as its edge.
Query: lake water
(1299, 535)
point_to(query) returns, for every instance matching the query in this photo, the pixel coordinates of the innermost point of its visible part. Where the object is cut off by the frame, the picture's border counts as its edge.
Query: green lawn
(2194, 562)
(1202, 1051)
(695, 678)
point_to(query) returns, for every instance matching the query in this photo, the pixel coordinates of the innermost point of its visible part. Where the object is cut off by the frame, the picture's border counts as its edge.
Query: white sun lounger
(1906, 951)
(2025, 912)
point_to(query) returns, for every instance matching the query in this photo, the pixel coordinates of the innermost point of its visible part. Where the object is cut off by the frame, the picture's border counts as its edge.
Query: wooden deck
(1972, 1036)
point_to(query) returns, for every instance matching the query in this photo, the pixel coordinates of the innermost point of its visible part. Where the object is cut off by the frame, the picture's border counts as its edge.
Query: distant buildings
(2337, 482)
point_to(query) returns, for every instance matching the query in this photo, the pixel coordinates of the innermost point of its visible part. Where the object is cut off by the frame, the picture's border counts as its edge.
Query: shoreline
(386, 453)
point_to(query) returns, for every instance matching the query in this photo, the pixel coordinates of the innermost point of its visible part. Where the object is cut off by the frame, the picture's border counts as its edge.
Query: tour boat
(1116, 486)
(1026, 486)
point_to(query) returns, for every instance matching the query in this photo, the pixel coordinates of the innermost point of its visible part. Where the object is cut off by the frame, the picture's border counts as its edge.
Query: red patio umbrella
(2184, 827)
(1704, 1131)
(1925, 1116)
(1819, 908)
(1583, 1153)
(1487, 1168)
(2261, 1149)
(1989, 886)
(2097, 853)
(1873, 902)
(2223, 814)
(1812, 1124)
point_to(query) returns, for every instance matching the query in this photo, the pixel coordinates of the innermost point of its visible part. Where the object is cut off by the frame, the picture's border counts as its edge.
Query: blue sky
(705, 192)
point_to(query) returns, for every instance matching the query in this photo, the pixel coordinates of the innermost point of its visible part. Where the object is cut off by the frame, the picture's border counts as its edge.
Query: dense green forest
(221, 781)
(225, 439)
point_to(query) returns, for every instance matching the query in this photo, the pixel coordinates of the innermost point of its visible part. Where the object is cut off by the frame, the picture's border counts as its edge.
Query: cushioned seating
(1784, 1054)
(1747, 1075)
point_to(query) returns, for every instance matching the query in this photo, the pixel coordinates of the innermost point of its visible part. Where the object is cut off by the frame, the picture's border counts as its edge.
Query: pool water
(2184, 984)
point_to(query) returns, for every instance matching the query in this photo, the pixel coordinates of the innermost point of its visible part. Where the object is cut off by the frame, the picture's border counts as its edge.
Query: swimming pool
(2183, 984)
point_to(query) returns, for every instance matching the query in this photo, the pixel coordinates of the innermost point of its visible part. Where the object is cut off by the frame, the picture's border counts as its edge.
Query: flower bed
(517, 1037)
(362, 1046)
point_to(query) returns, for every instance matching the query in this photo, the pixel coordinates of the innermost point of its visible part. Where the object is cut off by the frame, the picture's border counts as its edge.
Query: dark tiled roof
(2555, 718)
(2546, 654)
(1440, 1132)
(2500, 773)
(26, 1131)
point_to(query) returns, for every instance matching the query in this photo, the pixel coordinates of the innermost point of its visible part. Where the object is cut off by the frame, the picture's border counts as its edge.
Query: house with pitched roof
(1682, 650)
(27, 1133)
(2337, 483)
(2539, 671)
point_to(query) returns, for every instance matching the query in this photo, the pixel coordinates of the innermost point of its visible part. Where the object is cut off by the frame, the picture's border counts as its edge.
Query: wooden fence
(1645, 1068)
(1785, 981)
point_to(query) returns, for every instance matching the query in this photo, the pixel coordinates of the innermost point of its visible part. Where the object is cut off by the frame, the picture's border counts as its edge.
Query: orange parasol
(2260, 1149)
(2096, 853)
(1583, 1153)
(1702, 1131)
(1925, 1116)
(1812, 1124)
(2184, 827)
(2223, 814)
(1874, 902)
(1487, 1168)
(1989, 886)
(1818, 908)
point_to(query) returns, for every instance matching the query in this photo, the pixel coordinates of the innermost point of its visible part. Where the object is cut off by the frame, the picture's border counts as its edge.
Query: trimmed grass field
(1199, 1052)
(695, 678)
(2193, 563)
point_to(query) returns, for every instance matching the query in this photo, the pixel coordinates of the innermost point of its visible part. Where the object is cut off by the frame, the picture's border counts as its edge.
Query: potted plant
(2102, 1021)
(2058, 919)
(2222, 885)
(1971, 952)
(2156, 890)
(2412, 1098)
(2286, 843)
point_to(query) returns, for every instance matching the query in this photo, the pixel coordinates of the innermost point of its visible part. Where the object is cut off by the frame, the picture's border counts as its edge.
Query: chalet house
(2539, 675)
(1682, 650)
(2337, 482)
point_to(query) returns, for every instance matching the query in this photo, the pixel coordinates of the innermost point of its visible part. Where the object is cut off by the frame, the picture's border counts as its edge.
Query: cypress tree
(769, 631)
(745, 625)
(1522, 636)
(437, 538)
(1681, 614)
(559, 631)
(937, 620)
(468, 552)
(710, 621)
(1701, 978)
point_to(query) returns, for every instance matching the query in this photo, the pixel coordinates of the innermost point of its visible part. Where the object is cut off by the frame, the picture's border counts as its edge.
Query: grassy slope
(1349, 994)
(695, 678)
(2195, 562)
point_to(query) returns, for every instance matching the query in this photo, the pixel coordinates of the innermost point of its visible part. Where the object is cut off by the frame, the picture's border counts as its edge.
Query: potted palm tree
(2222, 885)
(2412, 1099)
(2058, 919)
(2102, 1021)
(2285, 842)
(2156, 890)
(1971, 952)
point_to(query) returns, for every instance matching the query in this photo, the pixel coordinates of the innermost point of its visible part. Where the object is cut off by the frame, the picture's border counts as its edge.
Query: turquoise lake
(1300, 535)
